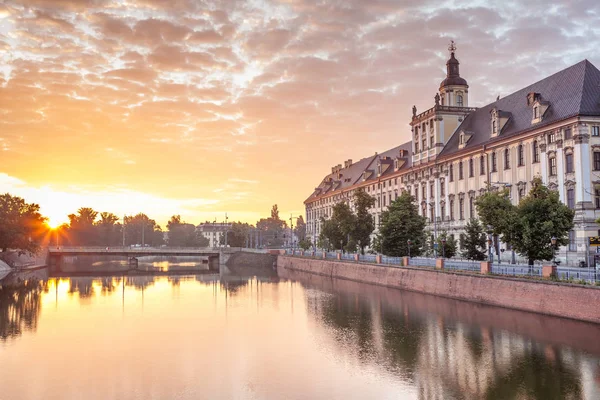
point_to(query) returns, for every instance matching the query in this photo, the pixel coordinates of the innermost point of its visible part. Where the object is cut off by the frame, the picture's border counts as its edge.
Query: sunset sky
(204, 107)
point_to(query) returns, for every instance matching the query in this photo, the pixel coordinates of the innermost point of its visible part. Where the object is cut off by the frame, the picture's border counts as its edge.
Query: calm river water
(295, 336)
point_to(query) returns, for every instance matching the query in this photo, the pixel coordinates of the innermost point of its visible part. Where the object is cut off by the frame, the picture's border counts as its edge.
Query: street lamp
(443, 247)
(489, 240)
(408, 242)
(553, 241)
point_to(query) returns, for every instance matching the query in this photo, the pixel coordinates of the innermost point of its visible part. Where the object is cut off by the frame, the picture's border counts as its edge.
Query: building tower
(454, 91)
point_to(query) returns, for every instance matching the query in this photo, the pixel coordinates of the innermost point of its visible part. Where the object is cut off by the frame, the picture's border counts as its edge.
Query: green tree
(539, 217)
(340, 226)
(364, 223)
(497, 213)
(331, 236)
(473, 243)
(447, 249)
(401, 222)
(305, 244)
(20, 224)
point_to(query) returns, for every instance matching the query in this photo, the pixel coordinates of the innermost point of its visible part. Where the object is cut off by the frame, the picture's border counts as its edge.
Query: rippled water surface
(288, 337)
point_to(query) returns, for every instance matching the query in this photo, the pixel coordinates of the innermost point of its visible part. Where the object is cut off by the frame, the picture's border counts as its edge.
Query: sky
(201, 108)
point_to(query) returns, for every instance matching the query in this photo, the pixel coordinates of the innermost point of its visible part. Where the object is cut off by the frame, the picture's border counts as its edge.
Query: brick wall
(551, 298)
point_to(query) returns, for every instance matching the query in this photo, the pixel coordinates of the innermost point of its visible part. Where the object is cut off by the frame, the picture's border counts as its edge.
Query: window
(597, 161)
(597, 193)
(553, 166)
(471, 207)
(536, 112)
(507, 159)
(471, 168)
(416, 147)
(452, 210)
(443, 211)
(383, 200)
(431, 190)
(521, 156)
(424, 210)
(442, 189)
(568, 133)
(424, 192)
(451, 172)
(551, 137)
(494, 166)
(431, 213)
(395, 181)
(461, 209)
(424, 143)
(460, 170)
(459, 100)
(431, 141)
(417, 194)
(571, 198)
(595, 130)
(536, 152)
(481, 165)
(572, 241)
(521, 193)
(494, 129)
(569, 162)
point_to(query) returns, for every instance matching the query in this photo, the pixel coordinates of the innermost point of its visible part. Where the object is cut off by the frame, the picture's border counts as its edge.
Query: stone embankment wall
(551, 298)
(244, 263)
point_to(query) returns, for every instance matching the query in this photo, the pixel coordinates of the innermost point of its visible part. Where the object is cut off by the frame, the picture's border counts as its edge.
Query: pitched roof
(572, 91)
(353, 174)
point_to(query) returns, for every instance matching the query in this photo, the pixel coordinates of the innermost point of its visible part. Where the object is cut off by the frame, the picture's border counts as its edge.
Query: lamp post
(408, 242)
(553, 241)
(489, 240)
(444, 247)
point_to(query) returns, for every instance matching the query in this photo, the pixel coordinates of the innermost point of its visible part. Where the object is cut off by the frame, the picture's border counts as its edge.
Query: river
(292, 336)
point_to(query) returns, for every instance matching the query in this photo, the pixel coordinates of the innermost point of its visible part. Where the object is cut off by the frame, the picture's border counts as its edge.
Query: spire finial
(452, 47)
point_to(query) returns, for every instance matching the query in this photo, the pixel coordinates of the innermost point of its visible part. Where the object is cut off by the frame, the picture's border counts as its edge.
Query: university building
(550, 128)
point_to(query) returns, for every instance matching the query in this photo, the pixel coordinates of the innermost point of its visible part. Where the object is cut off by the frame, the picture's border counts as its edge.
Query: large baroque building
(550, 128)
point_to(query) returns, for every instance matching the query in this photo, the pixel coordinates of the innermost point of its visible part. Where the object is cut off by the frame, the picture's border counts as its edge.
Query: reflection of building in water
(448, 359)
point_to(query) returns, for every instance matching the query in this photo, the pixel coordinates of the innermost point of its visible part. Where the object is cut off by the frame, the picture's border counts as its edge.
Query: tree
(497, 213)
(300, 229)
(399, 223)
(539, 217)
(20, 223)
(473, 243)
(271, 229)
(140, 229)
(82, 231)
(237, 236)
(182, 234)
(331, 235)
(340, 226)
(108, 230)
(305, 244)
(448, 249)
(364, 225)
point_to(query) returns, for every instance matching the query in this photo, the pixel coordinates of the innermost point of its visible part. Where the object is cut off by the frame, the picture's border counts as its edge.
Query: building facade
(214, 232)
(550, 129)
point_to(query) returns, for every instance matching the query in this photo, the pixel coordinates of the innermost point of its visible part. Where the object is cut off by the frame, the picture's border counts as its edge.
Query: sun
(54, 222)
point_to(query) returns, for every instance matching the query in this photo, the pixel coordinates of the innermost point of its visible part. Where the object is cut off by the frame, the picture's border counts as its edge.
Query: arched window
(506, 159)
(536, 152)
(471, 168)
(521, 156)
(481, 165)
(459, 100)
(494, 164)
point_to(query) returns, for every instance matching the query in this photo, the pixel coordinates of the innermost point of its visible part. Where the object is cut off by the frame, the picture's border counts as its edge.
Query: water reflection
(20, 308)
(296, 336)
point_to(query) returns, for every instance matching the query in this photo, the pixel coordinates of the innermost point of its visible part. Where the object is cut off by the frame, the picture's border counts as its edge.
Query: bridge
(215, 256)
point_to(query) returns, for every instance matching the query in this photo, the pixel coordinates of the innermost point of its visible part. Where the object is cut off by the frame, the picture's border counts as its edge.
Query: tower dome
(453, 89)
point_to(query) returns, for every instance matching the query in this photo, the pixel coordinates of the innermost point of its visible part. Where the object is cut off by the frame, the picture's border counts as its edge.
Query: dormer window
(536, 112)
(494, 127)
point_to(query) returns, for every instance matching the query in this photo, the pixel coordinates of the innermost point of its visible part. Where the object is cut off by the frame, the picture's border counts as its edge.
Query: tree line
(528, 228)
(24, 228)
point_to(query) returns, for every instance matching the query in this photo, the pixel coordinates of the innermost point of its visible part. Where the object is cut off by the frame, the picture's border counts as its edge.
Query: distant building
(550, 129)
(214, 232)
